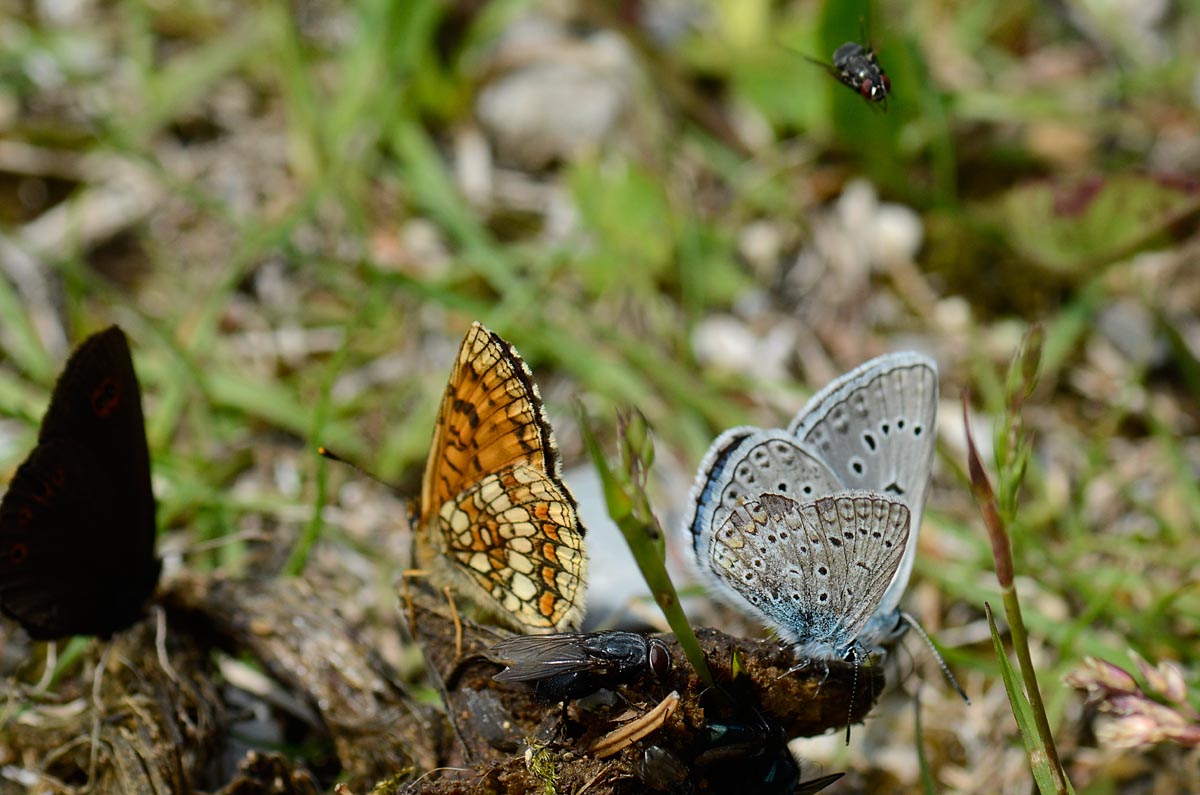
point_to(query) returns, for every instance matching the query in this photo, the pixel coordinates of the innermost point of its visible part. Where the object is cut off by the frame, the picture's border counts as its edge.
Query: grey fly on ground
(573, 665)
(855, 66)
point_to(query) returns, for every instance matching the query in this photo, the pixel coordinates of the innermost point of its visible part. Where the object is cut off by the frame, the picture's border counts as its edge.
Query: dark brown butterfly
(77, 524)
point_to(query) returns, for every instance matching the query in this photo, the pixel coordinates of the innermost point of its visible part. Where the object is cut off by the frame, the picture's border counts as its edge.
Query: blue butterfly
(813, 530)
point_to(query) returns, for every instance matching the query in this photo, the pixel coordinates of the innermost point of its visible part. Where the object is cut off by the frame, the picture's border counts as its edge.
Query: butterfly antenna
(912, 622)
(325, 452)
(853, 694)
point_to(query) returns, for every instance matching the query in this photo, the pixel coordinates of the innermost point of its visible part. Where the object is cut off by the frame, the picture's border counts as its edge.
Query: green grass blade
(625, 496)
(927, 783)
(1039, 759)
(320, 421)
(23, 344)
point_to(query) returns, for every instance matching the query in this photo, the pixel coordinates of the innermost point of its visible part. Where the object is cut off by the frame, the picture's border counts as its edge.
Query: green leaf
(23, 345)
(1039, 759)
(927, 783)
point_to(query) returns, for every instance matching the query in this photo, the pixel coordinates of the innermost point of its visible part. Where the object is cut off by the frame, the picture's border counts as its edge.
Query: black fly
(739, 756)
(858, 68)
(573, 665)
(855, 66)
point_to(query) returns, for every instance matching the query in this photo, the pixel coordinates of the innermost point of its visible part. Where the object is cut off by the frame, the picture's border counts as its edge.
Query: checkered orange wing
(496, 518)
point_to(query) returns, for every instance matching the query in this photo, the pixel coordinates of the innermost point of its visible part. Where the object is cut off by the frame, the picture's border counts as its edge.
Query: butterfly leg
(160, 643)
(406, 592)
(825, 678)
(409, 574)
(98, 708)
(458, 627)
(51, 663)
(799, 667)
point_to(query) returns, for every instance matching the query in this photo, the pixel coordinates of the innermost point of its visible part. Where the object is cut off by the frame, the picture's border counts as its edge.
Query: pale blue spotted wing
(744, 463)
(814, 571)
(875, 429)
(871, 430)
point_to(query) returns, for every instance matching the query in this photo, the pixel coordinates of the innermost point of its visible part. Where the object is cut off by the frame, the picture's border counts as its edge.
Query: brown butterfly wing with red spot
(77, 523)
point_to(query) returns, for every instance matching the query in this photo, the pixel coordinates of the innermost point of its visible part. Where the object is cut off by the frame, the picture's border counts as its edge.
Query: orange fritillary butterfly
(496, 519)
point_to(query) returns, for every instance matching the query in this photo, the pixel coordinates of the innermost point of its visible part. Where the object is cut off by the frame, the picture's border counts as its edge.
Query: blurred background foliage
(296, 209)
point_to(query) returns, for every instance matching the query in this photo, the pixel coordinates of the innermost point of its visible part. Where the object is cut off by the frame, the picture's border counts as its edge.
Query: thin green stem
(1020, 644)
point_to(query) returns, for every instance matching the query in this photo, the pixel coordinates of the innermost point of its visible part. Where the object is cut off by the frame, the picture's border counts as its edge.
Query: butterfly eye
(24, 514)
(106, 398)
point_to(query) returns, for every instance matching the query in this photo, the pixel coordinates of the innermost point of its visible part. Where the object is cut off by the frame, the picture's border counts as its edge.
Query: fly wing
(834, 73)
(533, 657)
